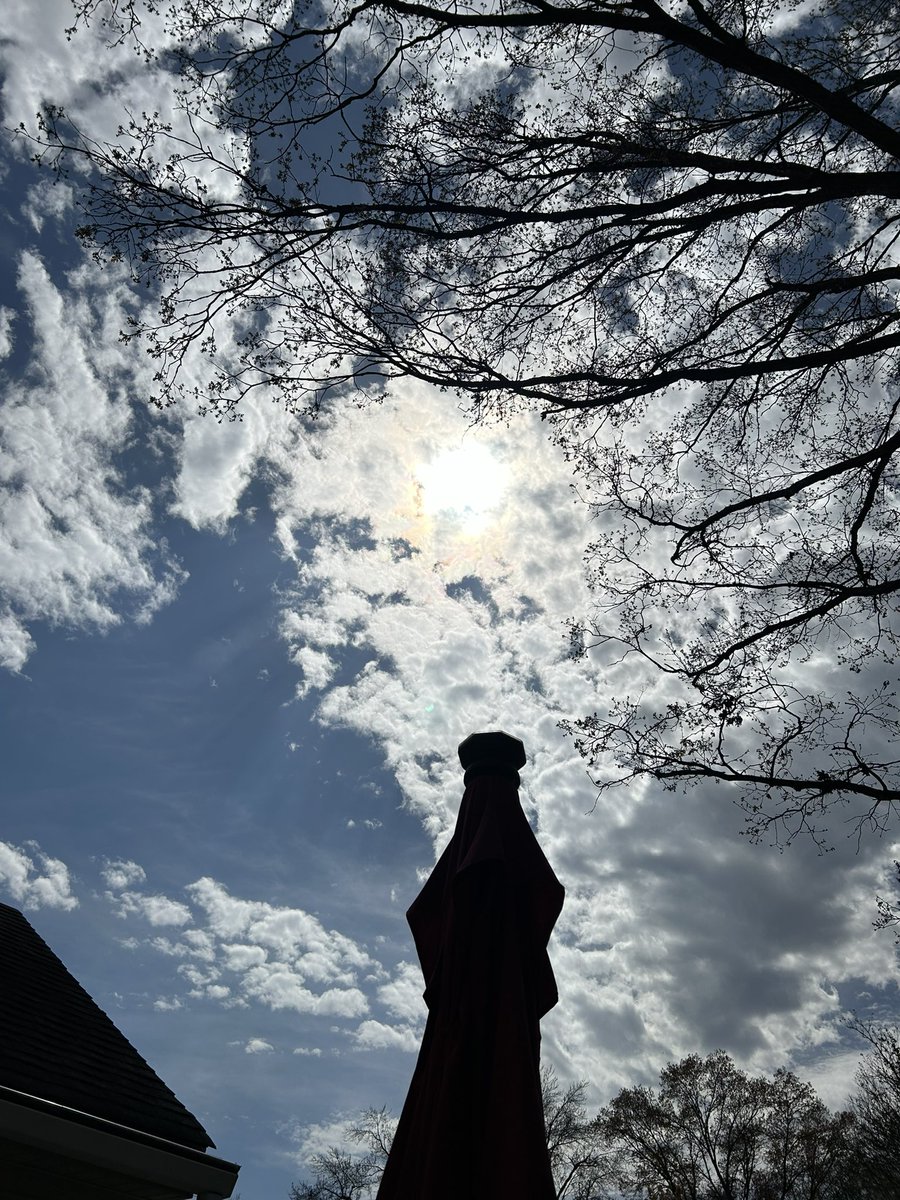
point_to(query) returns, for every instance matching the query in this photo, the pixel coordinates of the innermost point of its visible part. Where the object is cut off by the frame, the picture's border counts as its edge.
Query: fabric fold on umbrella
(472, 1125)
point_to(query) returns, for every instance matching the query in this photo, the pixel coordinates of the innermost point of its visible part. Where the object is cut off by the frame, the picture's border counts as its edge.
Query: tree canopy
(670, 228)
(876, 1109)
(709, 1131)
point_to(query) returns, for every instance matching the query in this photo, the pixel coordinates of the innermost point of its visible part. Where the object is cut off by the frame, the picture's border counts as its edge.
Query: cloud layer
(424, 609)
(677, 935)
(76, 542)
(425, 604)
(240, 953)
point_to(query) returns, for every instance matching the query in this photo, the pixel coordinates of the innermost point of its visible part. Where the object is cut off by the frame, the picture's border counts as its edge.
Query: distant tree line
(709, 1131)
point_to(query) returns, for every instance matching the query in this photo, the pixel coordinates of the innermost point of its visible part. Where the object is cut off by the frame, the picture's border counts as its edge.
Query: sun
(466, 484)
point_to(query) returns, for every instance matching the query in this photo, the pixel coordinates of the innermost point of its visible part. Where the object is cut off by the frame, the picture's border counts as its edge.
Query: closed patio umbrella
(472, 1126)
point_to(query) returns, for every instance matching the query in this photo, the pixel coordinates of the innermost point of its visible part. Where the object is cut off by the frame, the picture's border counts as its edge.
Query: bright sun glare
(466, 483)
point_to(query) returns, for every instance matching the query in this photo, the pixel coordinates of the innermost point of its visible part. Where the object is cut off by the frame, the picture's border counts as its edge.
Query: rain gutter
(79, 1135)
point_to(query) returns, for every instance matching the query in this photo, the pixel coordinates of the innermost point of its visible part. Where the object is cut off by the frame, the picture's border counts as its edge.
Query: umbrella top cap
(493, 749)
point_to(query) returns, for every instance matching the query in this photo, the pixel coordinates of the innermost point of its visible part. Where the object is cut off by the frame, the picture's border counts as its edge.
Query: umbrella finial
(494, 752)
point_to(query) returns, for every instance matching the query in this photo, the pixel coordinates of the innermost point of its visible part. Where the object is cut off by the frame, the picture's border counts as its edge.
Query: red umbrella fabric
(472, 1125)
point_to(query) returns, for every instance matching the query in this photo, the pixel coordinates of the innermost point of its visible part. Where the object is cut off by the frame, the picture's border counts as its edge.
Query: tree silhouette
(338, 1176)
(342, 1175)
(889, 910)
(581, 1165)
(672, 230)
(712, 1132)
(709, 1131)
(876, 1107)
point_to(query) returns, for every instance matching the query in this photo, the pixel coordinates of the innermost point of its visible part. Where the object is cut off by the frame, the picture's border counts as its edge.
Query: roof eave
(54, 1127)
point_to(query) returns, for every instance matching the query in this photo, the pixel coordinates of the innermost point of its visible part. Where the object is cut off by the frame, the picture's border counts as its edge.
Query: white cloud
(39, 62)
(76, 546)
(320, 1137)
(286, 959)
(832, 1076)
(374, 1035)
(201, 979)
(122, 873)
(168, 947)
(239, 957)
(279, 987)
(402, 995)
(258, 1046)
(317, 668)
(218, 460)
(289, 934)
(199, 944)
(40, 881)
(167, 1005)
(16, 643)
(158, 910)
(664, 945)
(47, 199)
(7, 317)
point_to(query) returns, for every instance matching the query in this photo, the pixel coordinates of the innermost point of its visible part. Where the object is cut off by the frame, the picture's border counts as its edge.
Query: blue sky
(237, 662)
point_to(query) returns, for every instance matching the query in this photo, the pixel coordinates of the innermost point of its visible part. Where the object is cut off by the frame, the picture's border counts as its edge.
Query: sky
(235, 663)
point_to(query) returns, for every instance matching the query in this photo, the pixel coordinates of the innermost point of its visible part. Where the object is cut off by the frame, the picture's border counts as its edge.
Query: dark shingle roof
(55, 1042)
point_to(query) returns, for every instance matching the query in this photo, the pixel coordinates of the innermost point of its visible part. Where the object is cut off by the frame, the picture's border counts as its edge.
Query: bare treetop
(672, 229)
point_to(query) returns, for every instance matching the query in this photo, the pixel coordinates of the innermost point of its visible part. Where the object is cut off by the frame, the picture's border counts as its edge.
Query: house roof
(58, 1044)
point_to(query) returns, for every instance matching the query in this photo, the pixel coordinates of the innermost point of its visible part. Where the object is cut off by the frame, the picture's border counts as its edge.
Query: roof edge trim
(80, 1135)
